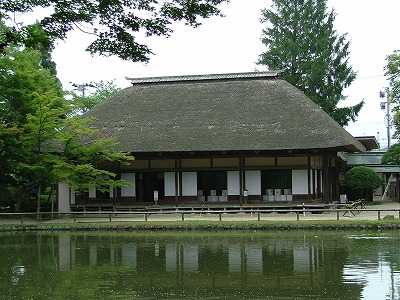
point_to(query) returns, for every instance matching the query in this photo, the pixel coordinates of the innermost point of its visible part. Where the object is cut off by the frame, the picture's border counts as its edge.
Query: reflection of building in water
(255, 266)
(275, 257)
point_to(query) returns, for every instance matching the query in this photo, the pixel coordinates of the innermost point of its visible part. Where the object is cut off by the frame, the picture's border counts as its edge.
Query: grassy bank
(385, 224)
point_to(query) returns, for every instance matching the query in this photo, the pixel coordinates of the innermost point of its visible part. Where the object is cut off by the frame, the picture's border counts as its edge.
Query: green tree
(362, 180)
(392, 156)
(301, 42)
(392, 71)
(40, 146)
(115, 25)
(58, 152)
(18, 77)
(21, 78)
(103, 91)
(36, 38)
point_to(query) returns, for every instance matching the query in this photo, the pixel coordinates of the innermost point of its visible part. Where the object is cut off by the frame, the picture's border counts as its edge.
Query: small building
(219, 138)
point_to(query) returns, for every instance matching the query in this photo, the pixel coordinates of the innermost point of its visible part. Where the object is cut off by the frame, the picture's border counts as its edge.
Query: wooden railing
(182, 213)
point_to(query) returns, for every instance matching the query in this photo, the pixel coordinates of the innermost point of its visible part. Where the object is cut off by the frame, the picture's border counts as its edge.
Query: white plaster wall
(169, 183)
(92, 192)
(299, 182)
(189, 184)
(72, 196)
(233, 183)
(129, 191)
(64, 198)
(253, 182)
(322, 181)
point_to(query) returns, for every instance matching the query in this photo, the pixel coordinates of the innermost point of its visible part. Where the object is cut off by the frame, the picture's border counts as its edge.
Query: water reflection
(259, 265)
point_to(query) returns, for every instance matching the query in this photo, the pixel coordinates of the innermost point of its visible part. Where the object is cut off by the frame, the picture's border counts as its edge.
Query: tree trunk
(39, 194)
(51, 193)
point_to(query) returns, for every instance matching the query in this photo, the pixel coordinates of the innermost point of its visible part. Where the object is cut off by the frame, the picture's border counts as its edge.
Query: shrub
(362, 180)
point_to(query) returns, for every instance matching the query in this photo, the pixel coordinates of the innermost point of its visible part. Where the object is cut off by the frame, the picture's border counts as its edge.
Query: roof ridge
(201, 77)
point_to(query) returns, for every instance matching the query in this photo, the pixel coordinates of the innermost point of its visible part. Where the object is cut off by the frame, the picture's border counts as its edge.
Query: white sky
(232, 44)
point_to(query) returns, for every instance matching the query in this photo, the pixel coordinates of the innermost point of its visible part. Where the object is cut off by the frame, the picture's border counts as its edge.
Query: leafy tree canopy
(115, 24)
(392, 156)
(102, 91)
(22, 75)
(40, 146)
(301, 41)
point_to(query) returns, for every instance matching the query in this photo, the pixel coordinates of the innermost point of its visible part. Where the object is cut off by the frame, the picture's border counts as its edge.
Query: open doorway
(147, 183)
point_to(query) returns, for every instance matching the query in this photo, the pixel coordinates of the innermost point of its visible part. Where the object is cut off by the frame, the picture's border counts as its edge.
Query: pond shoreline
(392, 224)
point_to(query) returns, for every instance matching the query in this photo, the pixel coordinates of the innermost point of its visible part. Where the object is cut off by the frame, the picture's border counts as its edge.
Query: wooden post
(326, 178)
(397, 187)
(241, 178)
(176, 182)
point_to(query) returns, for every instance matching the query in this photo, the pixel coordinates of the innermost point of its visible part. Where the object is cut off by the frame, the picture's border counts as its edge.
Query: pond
(200, 265)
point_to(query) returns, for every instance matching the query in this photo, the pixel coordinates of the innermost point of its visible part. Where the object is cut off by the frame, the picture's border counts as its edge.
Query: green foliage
(21, 77)
(392, 156)
(312, 55)
(362, 179)
(393, 73)
(32, 37)
(36, 38)
(22, 80)
(114, 24)
(40, 146)
(103, 91)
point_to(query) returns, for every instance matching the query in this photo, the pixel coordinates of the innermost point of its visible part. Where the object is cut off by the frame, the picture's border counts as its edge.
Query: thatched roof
(246, 111)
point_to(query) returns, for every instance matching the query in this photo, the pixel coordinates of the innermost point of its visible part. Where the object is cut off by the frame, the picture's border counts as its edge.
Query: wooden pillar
(117, 171)
(176, 182)
(326, 179)
(313, 172)
(180, 186)
(336, 184)
(319, 183)
(309, 184)
(241, 179)
(397, 187)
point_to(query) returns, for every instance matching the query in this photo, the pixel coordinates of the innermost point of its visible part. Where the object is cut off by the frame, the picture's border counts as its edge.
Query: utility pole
(386, 106)
(82, 87)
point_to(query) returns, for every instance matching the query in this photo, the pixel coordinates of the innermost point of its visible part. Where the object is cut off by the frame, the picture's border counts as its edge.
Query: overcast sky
(232, 44)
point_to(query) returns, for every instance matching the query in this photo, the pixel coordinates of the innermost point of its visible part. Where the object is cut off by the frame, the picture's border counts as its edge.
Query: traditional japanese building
(226, 137)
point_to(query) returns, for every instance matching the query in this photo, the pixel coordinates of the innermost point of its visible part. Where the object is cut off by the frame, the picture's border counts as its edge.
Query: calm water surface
(187, 265)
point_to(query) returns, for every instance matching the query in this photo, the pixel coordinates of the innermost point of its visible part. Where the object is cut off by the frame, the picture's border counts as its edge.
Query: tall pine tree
(392, 72)
(302, 42)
